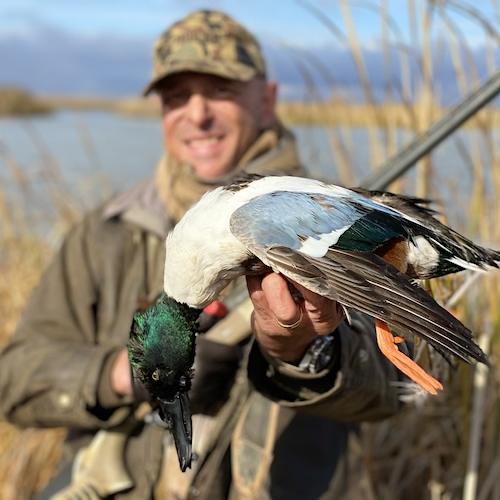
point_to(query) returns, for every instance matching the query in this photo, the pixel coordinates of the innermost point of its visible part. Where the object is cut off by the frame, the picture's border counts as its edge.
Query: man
(307, 375)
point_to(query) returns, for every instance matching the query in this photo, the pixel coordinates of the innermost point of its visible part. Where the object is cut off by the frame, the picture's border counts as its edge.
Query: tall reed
(429, 450)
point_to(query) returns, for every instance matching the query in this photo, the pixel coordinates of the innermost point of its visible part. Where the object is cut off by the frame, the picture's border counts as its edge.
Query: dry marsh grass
(447, 447)
(27, 457)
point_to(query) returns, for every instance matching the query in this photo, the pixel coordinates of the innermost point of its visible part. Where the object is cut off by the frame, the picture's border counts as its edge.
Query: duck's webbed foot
(387, 344)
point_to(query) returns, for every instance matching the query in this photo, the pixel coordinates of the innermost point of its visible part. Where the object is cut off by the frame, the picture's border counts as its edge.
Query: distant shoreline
(16, 102)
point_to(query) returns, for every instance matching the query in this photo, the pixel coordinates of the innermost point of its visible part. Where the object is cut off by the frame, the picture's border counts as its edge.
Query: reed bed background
(444, 447)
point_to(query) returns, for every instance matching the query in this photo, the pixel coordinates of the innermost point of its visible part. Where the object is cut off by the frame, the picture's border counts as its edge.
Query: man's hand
(121, 379)
(274, 304)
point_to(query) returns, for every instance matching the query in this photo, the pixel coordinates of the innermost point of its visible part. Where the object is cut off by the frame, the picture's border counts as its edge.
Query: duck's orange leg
(387, 344)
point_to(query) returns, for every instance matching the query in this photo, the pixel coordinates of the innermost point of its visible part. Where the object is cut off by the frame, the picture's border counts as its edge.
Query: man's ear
(268, 112)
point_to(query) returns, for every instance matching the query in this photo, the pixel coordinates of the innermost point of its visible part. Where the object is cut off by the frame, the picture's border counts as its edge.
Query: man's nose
(199, 110)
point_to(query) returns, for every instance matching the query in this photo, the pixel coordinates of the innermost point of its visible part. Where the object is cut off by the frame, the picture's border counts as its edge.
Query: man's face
(210, 122)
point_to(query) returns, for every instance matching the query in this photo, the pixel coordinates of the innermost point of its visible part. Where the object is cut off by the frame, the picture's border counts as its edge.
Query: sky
(283, 20)
(104, 47)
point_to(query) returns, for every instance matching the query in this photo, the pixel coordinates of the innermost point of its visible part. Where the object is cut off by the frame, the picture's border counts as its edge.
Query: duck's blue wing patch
(311, 223)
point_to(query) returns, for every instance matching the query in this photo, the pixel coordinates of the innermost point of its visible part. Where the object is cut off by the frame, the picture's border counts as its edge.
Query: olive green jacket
(55, 371)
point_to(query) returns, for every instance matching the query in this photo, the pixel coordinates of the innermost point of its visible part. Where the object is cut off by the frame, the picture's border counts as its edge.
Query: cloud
(53, 61)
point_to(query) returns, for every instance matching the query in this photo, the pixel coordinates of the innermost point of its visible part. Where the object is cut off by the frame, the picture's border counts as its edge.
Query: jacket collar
(142, 206)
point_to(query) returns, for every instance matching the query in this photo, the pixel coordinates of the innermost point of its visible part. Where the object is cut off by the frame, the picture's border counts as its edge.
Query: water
(83, 147)
(92, 154)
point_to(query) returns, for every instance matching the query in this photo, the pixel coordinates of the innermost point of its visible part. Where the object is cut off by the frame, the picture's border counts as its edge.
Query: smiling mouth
(200, 143)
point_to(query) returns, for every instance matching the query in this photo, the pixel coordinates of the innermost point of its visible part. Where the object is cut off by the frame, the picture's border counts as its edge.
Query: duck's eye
(156, 375)
(182, 381)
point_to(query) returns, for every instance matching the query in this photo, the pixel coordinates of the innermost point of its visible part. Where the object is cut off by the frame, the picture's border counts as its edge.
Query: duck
(363, 249)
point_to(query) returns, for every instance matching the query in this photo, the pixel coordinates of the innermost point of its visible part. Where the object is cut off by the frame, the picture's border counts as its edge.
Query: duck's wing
(310, 245)
(456, 252)
(313, 222)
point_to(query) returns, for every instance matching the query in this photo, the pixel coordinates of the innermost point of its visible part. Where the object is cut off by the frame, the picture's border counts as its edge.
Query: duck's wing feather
(365, 282)
(456, 251)
(357, 279)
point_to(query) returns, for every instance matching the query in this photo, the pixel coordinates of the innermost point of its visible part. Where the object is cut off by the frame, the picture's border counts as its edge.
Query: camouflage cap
(210, 42)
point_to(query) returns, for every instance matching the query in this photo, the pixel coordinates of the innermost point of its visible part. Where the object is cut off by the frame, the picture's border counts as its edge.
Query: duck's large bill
(177, 414)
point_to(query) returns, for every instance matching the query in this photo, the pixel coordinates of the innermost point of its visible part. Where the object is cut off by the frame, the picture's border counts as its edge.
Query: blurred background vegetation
(445, 447)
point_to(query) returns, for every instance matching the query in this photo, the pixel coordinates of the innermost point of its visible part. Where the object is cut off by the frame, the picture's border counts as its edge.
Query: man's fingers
(279, 299)
(312, 300)
(254, 285)
(258, 297)
(320, 309)
(272, 300)
(283, 327)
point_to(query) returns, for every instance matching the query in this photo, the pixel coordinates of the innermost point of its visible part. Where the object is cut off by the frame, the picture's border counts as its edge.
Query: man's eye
(222, 91)
(174, 100)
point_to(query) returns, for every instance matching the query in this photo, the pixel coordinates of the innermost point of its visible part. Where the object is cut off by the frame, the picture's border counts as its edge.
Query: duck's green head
(161, 351)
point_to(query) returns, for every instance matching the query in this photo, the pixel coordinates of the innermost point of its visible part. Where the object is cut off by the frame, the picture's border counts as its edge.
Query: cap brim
(224, 69)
